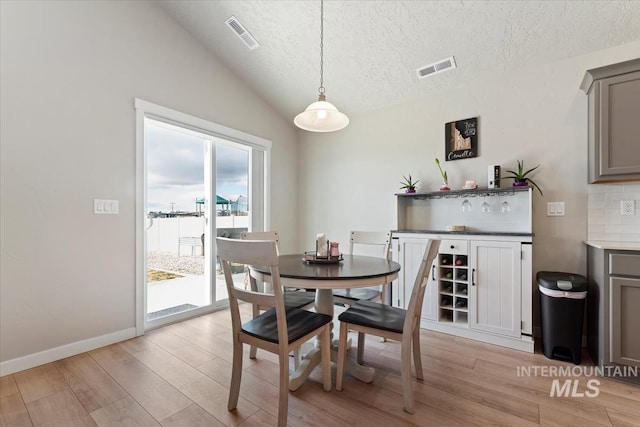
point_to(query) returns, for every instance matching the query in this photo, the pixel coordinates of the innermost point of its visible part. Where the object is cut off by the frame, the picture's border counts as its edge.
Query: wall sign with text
(461, 139)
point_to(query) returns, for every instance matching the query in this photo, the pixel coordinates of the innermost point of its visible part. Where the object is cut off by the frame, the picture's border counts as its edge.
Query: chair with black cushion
(292, 297)
(392, 323)
(372, 243)
(278, 330)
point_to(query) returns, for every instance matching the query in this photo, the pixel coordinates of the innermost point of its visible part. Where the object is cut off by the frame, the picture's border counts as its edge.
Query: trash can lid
(567, 282)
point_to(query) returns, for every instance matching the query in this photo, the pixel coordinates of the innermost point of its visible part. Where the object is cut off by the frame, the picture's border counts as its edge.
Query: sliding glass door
(197, 185)
(232, 198)
(178, 278)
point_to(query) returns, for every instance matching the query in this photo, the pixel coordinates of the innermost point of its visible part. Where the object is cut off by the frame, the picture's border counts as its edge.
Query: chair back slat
(253, 297)
(414, 310)
(382, 239)
(261, 235)
(248, 252)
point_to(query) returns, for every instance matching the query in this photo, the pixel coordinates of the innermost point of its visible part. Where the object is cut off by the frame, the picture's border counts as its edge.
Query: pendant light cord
(321, 88)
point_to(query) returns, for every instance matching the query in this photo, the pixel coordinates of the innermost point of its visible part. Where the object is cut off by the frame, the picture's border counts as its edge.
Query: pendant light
(321, 116)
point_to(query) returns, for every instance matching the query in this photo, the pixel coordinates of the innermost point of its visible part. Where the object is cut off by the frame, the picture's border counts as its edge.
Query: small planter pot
(410, 190)
(520, 184)
(445, 187)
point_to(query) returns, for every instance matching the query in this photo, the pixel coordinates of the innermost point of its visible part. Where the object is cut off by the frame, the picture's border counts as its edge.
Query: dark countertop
(467, 232)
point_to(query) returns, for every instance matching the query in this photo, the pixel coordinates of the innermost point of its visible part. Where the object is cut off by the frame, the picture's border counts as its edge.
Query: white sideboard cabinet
(480, 284)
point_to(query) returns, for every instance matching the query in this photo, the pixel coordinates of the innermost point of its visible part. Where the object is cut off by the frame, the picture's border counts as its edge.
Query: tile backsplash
(604, 218)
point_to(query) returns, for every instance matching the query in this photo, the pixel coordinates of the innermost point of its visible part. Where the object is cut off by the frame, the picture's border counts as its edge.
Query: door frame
(260, 183)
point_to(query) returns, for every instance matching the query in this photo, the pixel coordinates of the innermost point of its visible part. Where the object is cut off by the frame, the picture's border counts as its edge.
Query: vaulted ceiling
(372, 48)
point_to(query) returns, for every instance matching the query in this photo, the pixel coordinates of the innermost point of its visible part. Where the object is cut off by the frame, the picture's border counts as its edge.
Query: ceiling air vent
(438, 67)
(242, 32)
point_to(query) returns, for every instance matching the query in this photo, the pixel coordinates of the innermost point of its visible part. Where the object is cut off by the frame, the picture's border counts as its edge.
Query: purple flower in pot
(521, 176)
(408, 184)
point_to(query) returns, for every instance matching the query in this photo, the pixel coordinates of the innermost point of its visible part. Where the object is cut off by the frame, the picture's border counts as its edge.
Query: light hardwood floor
(179, 375)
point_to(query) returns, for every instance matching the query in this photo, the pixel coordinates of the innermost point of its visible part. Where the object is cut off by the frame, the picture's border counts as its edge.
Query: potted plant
(408, 184)
(521, 177)
(445, 180)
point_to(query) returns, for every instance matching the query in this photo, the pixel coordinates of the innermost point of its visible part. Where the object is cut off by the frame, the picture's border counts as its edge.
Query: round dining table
(352, 271)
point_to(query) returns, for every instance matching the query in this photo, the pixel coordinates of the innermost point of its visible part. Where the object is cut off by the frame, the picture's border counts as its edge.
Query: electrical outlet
(627, 207)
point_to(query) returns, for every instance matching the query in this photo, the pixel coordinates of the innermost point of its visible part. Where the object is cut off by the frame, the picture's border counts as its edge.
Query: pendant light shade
(321, 116)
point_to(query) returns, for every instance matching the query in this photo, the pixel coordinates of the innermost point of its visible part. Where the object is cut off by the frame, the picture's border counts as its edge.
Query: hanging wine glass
(505, 207)
(485, 207)
(466, 206)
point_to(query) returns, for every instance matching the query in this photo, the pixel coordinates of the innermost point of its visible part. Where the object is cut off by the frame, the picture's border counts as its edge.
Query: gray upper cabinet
(614, 113)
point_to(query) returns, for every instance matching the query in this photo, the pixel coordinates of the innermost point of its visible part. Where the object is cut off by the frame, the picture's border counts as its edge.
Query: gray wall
(70, 72)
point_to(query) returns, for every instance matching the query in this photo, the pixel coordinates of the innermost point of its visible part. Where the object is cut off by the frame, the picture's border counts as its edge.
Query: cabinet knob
(453, 247)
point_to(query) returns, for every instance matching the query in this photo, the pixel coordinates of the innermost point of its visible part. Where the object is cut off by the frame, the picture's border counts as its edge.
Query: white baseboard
(522, 343)
(47, 356)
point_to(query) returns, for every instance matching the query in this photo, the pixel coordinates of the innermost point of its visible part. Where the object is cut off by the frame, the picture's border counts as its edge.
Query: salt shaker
(334, 251)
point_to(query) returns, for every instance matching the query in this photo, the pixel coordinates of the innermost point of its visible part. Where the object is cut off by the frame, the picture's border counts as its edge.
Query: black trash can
(562, 302)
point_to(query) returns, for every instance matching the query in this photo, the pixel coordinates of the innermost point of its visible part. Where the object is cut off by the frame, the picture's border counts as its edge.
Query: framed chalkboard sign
(461, 139)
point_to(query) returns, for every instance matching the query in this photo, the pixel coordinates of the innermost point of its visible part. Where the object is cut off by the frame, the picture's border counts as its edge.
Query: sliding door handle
(473, 277)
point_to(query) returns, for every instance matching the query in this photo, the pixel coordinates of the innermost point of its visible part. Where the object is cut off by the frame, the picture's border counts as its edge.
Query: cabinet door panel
(410, 252)
(620, 97)
(625, 321)
(495, 293)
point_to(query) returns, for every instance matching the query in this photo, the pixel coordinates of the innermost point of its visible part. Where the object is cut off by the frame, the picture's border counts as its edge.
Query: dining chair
(392, 323)
(278, 330)
(374, 243)
(292, 298)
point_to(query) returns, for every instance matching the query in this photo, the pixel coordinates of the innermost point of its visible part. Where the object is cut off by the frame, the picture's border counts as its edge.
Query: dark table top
(350, 268)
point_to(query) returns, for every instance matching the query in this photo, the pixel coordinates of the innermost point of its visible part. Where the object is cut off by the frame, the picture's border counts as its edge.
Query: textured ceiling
(372, 48)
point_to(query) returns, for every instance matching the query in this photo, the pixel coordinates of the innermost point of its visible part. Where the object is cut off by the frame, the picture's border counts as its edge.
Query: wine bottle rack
(453, 288)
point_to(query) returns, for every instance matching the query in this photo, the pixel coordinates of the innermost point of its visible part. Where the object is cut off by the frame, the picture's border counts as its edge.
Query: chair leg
(361, 347)
(417, 360)
(405, 374)
(381, 299)
(342, 353)
(236, 375)
(283, 404)
(326, 357)
(253, 351)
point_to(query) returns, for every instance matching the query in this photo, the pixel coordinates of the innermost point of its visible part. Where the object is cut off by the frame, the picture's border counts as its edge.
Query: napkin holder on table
(322, 246)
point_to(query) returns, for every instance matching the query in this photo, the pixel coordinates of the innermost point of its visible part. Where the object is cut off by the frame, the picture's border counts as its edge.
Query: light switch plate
(106, 207)
(555, 208)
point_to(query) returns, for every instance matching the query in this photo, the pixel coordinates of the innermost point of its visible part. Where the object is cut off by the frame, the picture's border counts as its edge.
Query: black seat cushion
(298, 299)
(357, 294)
(375, 315)
(299, 323)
